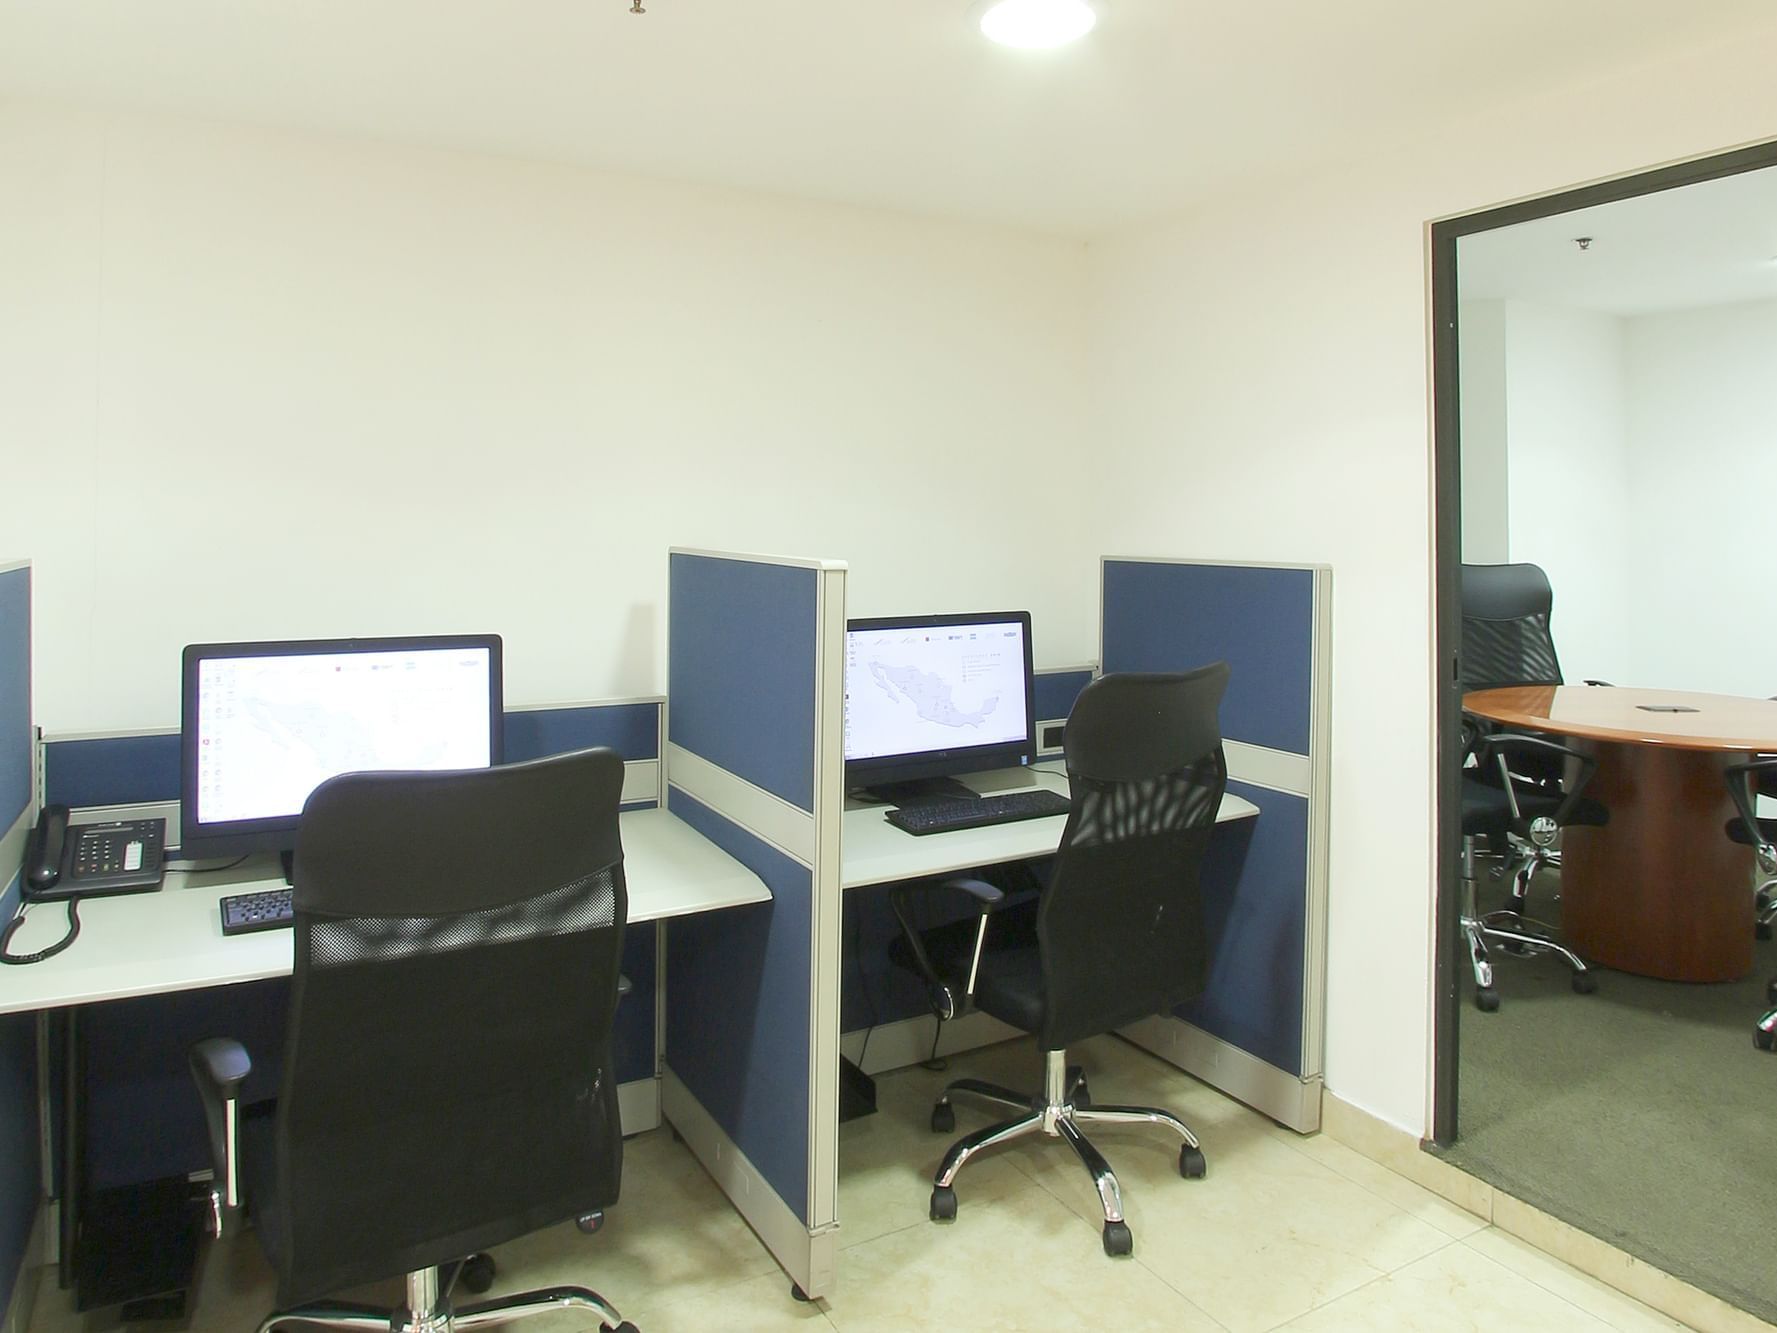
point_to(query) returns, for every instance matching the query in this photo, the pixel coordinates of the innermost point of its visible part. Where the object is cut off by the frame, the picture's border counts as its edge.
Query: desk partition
(754, 761)
(1257, 1031)
(20, 1183)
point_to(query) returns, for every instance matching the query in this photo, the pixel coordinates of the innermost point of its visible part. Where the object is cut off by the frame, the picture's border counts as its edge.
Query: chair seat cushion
(1487, 810)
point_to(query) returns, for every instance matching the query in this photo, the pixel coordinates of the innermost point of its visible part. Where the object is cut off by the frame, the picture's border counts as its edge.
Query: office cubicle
(1257, 1032)
(754, 762)
(20, 1179)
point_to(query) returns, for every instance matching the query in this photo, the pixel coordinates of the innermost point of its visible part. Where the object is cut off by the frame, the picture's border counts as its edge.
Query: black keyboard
(950, 814)
(268, 909)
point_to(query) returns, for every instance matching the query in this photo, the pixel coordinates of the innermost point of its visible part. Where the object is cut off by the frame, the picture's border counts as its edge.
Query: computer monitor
(263, 724)
(932, 697)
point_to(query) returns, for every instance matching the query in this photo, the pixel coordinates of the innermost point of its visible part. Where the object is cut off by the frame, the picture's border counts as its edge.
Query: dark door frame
(1452, 953)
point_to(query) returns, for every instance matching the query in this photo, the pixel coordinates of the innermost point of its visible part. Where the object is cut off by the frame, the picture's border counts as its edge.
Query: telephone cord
(20, 960)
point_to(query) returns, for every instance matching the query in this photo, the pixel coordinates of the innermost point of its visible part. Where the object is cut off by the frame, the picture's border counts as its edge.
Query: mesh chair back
(1120, 929)
(1505, 627)
(448, 1080)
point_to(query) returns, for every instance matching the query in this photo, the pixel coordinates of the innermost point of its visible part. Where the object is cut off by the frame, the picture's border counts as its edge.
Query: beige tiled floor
(1284, 1233)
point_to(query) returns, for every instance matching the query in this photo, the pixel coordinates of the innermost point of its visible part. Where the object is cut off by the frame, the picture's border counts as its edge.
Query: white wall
(1481, 393)
(1703, 456)
(1569, 488)
(269, 385)
(1262, 368)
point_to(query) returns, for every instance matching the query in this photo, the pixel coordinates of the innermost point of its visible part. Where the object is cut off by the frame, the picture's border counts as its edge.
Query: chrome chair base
(1512, 928)
(428, 1310)
(1059, 1113)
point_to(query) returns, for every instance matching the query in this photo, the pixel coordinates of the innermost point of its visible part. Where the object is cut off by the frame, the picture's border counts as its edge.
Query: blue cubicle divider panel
(1252, 905)
(741, 652)
(1055, 692)
(112, 770)
(144, 768)
(633, 730)
(1166, 616)
(20, 1187)
(15, 695)
(739, 1007)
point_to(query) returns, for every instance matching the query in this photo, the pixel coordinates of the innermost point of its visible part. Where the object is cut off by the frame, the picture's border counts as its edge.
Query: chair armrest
(219, 1065)
(1496, 746)
(1744, 782)
(989, 899)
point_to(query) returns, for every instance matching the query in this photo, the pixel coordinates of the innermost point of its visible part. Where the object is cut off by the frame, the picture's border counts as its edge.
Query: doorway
(1598, 601)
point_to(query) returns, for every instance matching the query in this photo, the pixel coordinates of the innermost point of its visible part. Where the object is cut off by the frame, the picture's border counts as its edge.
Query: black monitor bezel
(245, 836)
(959, 760)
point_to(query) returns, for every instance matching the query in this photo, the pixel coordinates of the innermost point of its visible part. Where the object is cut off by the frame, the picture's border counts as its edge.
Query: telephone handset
(91, 860)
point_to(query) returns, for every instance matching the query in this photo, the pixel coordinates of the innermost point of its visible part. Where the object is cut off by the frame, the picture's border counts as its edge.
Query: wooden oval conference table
(1660, 890)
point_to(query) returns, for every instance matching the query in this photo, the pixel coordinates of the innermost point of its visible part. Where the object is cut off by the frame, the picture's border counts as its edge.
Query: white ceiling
(883, 103)
(1709, 244)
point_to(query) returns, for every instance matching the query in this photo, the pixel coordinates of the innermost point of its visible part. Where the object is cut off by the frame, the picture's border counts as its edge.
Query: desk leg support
(73, 1148)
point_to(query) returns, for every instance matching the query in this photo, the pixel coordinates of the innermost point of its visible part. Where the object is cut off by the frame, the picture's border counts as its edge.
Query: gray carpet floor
(1642, 1114)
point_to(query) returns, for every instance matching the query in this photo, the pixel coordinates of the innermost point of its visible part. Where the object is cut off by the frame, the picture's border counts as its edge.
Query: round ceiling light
(1038, 24)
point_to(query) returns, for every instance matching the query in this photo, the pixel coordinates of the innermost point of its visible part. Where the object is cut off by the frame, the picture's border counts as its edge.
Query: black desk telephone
(92, 860)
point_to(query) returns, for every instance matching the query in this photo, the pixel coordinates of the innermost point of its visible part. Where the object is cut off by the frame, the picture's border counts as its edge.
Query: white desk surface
(874, 851)
(151, 943)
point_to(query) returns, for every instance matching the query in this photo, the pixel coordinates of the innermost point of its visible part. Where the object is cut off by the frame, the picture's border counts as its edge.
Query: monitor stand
(920, 791)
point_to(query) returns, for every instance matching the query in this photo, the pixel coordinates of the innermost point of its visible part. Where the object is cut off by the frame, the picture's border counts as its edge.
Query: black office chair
(1118, 934)
(448, 1081)
(1746, 783)
(1525, 815)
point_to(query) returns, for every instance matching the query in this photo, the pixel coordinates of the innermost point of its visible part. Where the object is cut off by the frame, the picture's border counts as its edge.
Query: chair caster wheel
(626, 1327)
(1585, 983)
(1117, 1240)
(1761, 930)
(943, 1204)
(1771, 992)
(943, 1118)
(1765, 1041)
(1192, 1165)
(591, 1224)
(797, 1294)
(477, 1273)
(1487, 999)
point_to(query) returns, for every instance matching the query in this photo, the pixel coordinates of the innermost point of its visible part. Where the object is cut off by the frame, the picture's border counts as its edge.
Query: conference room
(407, 320)
(1608, 358)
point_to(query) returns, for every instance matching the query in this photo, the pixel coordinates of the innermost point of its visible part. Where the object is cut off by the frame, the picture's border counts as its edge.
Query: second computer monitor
(937, 696)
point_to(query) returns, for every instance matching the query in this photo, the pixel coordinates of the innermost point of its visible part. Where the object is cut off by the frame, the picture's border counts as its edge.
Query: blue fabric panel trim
(633, 730)
(633, 1035)
(112, 770)
(1255, 908)
(1056, 692)
(740, 670)
(737, 1007)
(1164, 617)
(15, 697)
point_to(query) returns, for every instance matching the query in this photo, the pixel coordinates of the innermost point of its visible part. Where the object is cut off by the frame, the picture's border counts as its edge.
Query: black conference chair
(1519, 791)
(448, 1081)
(1746, 783)
(1118, 933)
